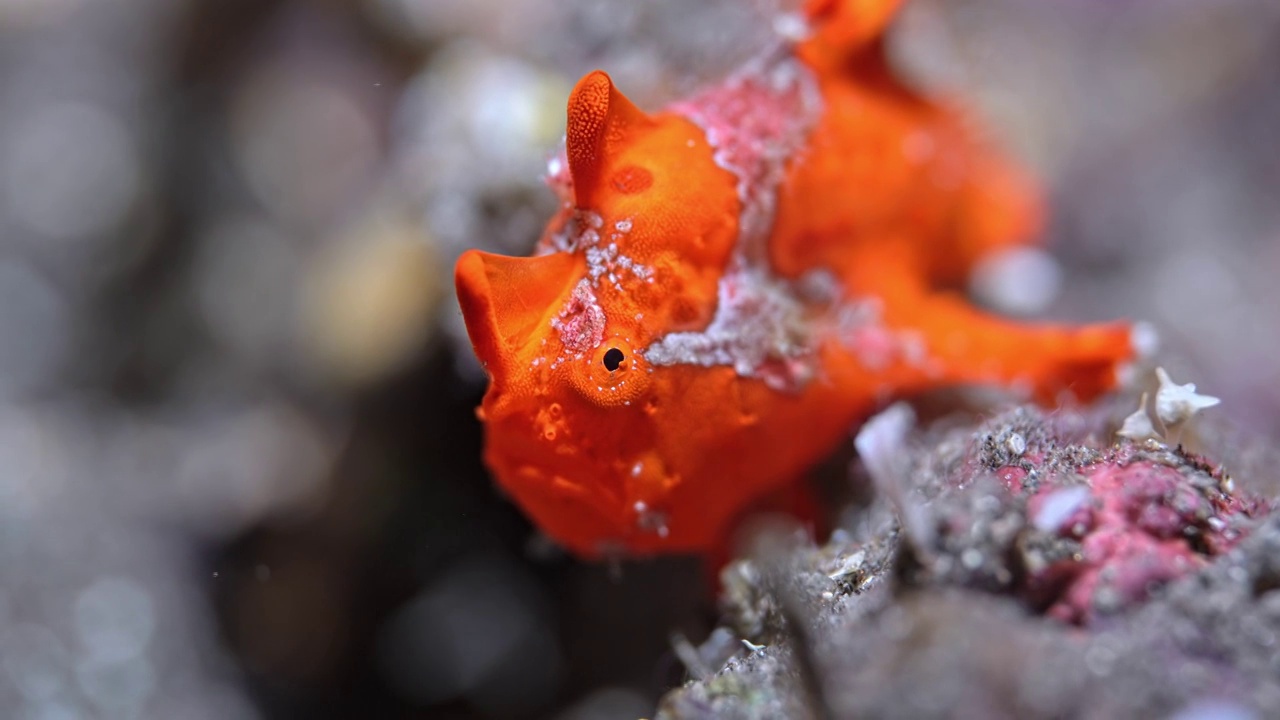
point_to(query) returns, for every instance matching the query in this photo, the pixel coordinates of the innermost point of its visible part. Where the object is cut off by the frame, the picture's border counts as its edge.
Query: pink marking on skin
(756, 122)
(581, 322)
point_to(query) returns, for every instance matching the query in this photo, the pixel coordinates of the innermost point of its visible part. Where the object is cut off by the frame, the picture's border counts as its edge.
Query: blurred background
(239, 471)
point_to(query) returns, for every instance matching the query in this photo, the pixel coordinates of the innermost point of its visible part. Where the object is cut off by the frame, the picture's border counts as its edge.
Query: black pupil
(613, 359)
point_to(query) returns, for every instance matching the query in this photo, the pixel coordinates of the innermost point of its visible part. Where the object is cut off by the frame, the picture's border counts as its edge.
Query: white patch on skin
(764, 326)
(755, 122)
(605, 261)
(760, 329)
(579, 231)
(859, 329)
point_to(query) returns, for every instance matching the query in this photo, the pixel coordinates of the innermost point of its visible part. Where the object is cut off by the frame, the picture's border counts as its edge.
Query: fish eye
(614, 374)
(613, 359)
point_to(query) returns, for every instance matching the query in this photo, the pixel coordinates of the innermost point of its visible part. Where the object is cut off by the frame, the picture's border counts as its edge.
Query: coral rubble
(1026, 567)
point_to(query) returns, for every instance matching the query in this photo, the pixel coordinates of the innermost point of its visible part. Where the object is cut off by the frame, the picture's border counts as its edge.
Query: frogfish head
(572, 413)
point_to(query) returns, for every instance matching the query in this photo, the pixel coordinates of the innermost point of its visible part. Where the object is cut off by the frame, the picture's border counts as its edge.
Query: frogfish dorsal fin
(844, 28)
(505, 299)
(600, 120)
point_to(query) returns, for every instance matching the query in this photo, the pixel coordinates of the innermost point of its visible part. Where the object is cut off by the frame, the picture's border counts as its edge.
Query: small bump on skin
(632, 179)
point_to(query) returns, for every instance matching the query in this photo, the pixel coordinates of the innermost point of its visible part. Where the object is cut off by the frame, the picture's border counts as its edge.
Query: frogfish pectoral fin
(966, 345)
(600, 120)
(505, 299)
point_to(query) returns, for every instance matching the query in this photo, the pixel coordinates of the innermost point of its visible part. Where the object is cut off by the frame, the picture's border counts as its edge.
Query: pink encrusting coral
(1134, 517)
(1025, 565)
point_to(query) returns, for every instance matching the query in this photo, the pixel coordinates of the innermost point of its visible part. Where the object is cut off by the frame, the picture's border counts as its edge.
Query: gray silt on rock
(887, 633)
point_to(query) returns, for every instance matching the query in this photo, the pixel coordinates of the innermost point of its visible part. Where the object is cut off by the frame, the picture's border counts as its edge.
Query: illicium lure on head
(734, 282)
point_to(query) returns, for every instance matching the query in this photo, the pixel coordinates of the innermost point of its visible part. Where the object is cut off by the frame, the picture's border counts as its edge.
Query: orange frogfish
(734, 282)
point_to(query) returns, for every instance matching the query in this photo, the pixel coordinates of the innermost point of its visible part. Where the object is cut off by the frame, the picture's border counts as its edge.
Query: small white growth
(1016, 444)
(581, 233)
(1137, 426)
(650, 520)
(819, 285)
(881, 440)
(581, 230)
(1175, 403)
(851, 564)
(607, 261)
(882, 445)
(1059, 506)
(1019, 281)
